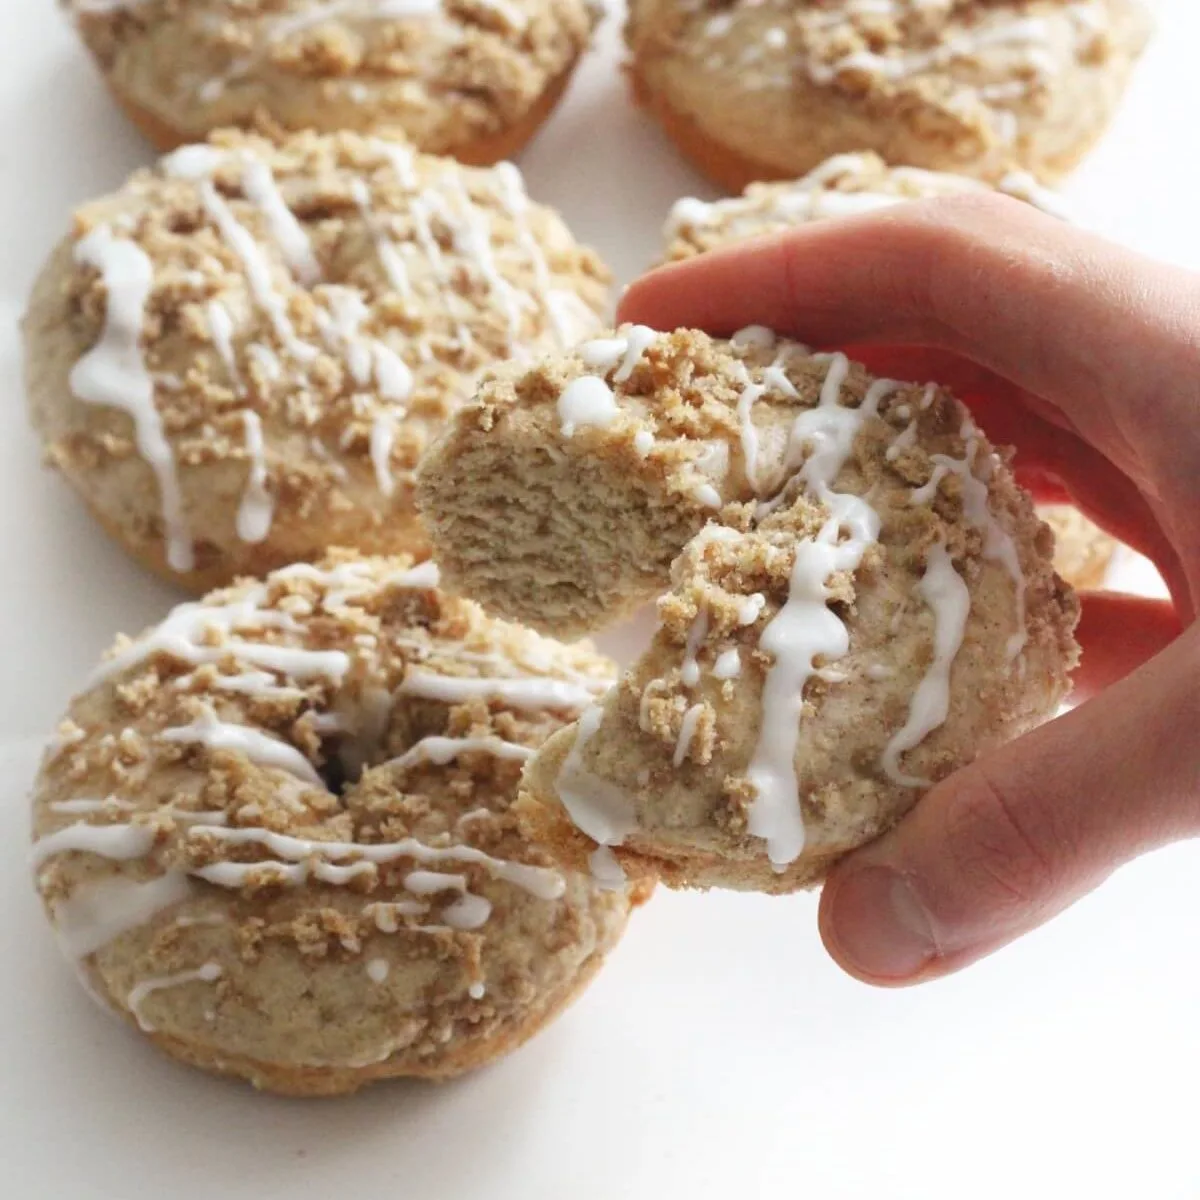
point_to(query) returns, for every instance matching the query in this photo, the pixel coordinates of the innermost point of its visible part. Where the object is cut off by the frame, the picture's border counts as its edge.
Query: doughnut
(767, 89)
(275, 833)
(474, 79)
(854, 596)
(238, 357)
(842, 186)
(855, 183)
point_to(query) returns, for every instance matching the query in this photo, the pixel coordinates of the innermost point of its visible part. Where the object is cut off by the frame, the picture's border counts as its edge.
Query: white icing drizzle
(443, 750)
(998, 544)
(773, 379)
(118, 842)
(829, 430)
(400, 159)
(354, 581)
(606, 872)
(473, 238)
(110, 804)
(263, 192)
(520, 692)
(728, 664)
(750, 608)
(251, 683)
(623, 352)
(599, 808)
(586, 401)
(805, 627)
(367, 359)
(257, 508)
(210, 972)
(290, 24)
(114, 373)
(97, 912)
(260, 748)
(197, 164)
(906, 439)
(750, 395)
(946, 594)
(185, 634)
(468, 912)
(643, 442)
(235, 874)
(638, 340)
(602, 354)
(540, 882)
(378, 970)
(477, 991)
(220, 328)
(516, 204)
(822, 193)
(430, 883)
(687, 733)
(389, 254)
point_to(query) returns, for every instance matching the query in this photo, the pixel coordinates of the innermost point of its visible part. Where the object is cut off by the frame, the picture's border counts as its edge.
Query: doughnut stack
(344, 816)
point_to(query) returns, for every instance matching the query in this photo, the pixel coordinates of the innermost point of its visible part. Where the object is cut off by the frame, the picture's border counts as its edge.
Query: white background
(720, 1054)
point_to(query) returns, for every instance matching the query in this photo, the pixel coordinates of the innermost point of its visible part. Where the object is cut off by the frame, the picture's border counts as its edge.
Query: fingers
(1103, 333)
(1006, 843)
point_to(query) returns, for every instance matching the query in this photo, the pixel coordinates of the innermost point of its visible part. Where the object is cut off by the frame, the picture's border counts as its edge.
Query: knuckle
(948, 244)
(1003, 855)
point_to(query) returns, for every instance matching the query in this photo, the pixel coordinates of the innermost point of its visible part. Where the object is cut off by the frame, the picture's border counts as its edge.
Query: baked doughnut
(858, 597)
(474, 79)
(767, 89)
(855, 183)
(238, 358)
(844, 185)
(275, 832)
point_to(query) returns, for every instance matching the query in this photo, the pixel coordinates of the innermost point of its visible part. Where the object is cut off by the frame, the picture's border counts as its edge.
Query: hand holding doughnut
(1084, 356)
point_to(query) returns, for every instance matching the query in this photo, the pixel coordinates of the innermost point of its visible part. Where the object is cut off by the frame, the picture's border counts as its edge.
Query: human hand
(1086, 358)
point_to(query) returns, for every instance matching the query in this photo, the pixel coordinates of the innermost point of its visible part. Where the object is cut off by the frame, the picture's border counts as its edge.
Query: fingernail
(878, 926)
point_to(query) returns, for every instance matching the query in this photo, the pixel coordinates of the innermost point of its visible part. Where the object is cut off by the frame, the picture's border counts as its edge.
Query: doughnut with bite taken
(854, 596)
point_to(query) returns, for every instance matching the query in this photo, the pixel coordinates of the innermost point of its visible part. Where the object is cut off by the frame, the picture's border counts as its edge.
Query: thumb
(1011, 840)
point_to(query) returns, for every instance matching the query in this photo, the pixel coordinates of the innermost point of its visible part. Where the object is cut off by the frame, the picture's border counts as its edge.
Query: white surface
(720, 1054)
